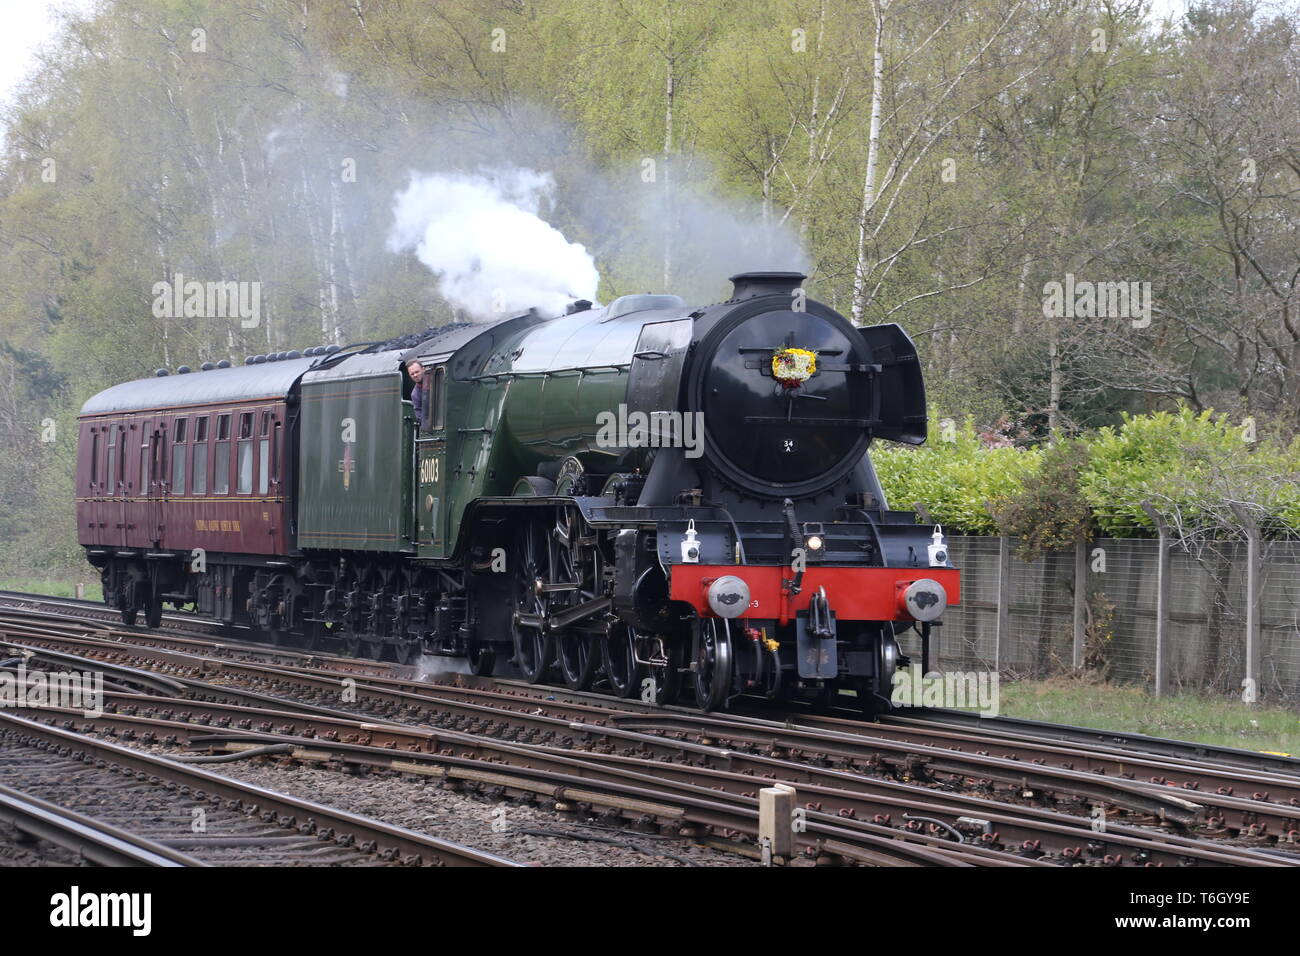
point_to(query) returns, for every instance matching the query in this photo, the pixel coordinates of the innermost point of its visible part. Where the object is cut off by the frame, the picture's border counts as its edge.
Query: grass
(55, 588)
(1203, 718)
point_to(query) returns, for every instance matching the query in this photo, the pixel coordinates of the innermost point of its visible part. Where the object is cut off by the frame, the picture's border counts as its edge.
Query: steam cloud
(481, 234)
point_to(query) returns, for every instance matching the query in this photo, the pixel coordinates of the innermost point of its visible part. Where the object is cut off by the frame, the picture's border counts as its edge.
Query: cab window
(436, 408)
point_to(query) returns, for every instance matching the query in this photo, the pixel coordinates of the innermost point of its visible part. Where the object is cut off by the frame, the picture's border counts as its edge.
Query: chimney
(751, 284)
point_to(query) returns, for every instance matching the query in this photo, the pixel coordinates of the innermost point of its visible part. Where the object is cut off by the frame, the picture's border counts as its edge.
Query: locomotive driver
(416, 371)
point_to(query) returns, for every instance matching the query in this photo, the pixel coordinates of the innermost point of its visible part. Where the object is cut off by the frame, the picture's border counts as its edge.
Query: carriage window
(178, 458)
(221, 469)
(200, 465)
(275, 455)
(221, 457)
(144, 468)
(94, 460)
(243, 480)
(264, 455)
(158, 461)
(111, 471)
(263, 465)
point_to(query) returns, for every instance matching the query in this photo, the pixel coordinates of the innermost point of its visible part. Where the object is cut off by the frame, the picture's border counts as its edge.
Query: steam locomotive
(638, 496)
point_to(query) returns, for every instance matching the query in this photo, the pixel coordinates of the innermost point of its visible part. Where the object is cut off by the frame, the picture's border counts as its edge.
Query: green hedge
(1201, 472)
(955, 476)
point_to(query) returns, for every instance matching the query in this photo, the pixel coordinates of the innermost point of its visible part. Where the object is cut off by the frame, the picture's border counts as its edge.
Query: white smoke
(482, 236)
(432, 667)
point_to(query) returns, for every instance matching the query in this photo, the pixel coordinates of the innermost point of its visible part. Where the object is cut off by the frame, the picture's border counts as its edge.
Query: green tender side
(354, 486)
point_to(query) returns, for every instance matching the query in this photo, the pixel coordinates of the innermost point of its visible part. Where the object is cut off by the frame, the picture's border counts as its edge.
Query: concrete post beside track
(1080, 602)
(776, 820)
(1250, 685)
(1162, 601)
(1004, 600)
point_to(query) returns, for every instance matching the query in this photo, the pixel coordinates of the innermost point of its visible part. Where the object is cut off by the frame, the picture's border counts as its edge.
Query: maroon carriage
(183, 468)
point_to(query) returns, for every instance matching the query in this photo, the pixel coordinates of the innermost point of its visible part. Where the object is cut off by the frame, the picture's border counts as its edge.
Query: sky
(29, 23)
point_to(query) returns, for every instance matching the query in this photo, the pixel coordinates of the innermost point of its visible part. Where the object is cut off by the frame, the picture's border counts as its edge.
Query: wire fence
(1147, 611)
(1280, 620)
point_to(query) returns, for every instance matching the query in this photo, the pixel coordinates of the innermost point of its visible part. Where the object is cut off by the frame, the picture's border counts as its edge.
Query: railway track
(211, 818)
(992, 731)
(1008, 729)
(183, 633)
(611, 782)
(632, 788)
(864, 788)
(88, 838)
(1016, 727)
(625, 797)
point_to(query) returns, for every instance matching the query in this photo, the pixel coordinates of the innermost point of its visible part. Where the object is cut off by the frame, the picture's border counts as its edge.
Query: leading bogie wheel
(712, 662)
(875, 693)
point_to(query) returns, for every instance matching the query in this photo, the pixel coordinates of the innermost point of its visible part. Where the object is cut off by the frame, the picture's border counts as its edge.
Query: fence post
(1080, 600)
(1253, 649)
(1004, 599)
(1162, 599)
(1254, 655)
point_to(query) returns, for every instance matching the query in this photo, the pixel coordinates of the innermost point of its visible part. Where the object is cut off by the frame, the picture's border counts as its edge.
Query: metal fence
(1223, 618)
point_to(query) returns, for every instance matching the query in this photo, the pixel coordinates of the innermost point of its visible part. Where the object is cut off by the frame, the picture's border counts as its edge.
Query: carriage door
(114, 510)
(157, 484)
